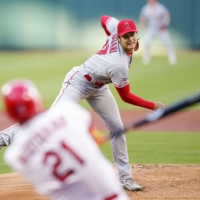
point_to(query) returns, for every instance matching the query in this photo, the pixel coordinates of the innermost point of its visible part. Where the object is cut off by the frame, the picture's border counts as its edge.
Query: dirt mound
(158, 182)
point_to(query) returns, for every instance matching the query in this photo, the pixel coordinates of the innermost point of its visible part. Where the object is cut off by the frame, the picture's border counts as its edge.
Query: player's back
(55, 152)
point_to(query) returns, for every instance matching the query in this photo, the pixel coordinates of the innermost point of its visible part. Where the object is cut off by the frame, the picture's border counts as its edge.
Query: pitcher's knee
(119, 130)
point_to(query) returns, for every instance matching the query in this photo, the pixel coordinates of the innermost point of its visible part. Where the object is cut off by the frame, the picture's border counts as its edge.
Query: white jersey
(111, 64)
(154, 15)
(55, 152)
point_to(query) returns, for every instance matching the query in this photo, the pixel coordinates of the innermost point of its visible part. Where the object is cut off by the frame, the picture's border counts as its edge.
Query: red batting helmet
(126, 26)
(22, 100)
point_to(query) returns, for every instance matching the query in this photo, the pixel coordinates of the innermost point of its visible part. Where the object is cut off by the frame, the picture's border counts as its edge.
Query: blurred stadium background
(69, 25)
(30, 29)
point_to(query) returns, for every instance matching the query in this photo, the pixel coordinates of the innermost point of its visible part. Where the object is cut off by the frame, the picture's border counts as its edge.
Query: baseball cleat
(131, 184)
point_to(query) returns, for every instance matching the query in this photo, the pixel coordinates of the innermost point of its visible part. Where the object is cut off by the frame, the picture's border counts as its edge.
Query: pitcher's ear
(137, 46)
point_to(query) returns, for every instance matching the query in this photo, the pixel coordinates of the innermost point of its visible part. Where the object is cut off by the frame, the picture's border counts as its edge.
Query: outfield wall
(74, 24)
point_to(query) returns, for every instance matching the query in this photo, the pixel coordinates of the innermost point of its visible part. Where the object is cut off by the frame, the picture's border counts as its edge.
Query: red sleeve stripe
(104, 19)
(118, 86)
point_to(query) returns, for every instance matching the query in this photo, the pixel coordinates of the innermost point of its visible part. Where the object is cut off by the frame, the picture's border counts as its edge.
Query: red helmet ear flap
(137, 46)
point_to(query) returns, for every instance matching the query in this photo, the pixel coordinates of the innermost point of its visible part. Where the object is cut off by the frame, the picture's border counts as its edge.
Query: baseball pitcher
(90, 81)
(55, 151)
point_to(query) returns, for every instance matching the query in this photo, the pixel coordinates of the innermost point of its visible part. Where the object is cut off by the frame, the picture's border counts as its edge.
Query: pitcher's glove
(164, 23)
(98, 136)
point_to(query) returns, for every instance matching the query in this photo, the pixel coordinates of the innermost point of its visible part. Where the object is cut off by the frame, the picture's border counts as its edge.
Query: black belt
(89, 78)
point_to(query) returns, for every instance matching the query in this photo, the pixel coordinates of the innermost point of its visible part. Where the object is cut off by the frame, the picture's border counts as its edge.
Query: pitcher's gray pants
(77, 88)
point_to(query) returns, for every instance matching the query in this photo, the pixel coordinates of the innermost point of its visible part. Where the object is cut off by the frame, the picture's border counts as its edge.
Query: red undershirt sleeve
(128, 97)
(104, 19)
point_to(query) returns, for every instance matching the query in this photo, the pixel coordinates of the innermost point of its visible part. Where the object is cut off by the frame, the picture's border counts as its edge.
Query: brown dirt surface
(161, 181)
(185, 120)
(158, 181)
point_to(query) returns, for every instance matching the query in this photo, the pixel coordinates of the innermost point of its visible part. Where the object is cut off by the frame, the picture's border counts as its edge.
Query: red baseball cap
(126, 26)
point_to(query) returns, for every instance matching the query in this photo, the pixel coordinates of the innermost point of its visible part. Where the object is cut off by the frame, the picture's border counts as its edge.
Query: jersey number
(58, 161)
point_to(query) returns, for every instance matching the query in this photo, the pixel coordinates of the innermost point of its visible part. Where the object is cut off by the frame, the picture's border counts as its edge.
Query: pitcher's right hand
(159, 105)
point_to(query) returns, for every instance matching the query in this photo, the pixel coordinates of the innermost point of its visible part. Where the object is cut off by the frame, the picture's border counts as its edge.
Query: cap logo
(127, 26)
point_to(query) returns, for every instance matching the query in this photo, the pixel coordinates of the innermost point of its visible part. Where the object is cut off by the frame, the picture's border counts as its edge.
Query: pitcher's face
(128, 41)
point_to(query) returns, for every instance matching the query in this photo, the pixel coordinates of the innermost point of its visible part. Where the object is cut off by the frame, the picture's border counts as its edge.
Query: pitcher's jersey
(154, 15)
(111, 64)
(56, 154)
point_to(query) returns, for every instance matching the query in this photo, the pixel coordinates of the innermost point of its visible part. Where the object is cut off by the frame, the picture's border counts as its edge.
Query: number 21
(58, 161)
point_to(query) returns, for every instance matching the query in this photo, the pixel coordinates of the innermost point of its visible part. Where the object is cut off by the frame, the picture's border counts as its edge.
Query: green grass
(4, 168)
(46, 69)
(151, 148)
(161, 147)
(158, 81)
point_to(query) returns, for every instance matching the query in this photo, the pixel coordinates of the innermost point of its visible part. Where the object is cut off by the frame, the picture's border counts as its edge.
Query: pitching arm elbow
(104, 20)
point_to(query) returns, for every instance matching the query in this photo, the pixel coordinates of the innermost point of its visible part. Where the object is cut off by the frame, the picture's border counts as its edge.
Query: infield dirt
(167, 182)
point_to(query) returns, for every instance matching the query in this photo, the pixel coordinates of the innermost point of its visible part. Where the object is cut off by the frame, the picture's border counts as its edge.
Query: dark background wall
(74, 24)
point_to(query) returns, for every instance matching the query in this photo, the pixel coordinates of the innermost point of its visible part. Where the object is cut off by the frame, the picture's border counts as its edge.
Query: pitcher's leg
(66, 94)
(7, 135)
(105, 105)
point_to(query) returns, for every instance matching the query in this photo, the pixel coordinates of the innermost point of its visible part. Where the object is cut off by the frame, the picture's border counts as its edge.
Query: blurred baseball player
(90, 82)
(54, 150)
(155, 18)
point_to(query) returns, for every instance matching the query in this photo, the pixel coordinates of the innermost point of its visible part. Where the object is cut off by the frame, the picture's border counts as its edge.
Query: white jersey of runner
(154, 17)
(111, 63)
(56, 153)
